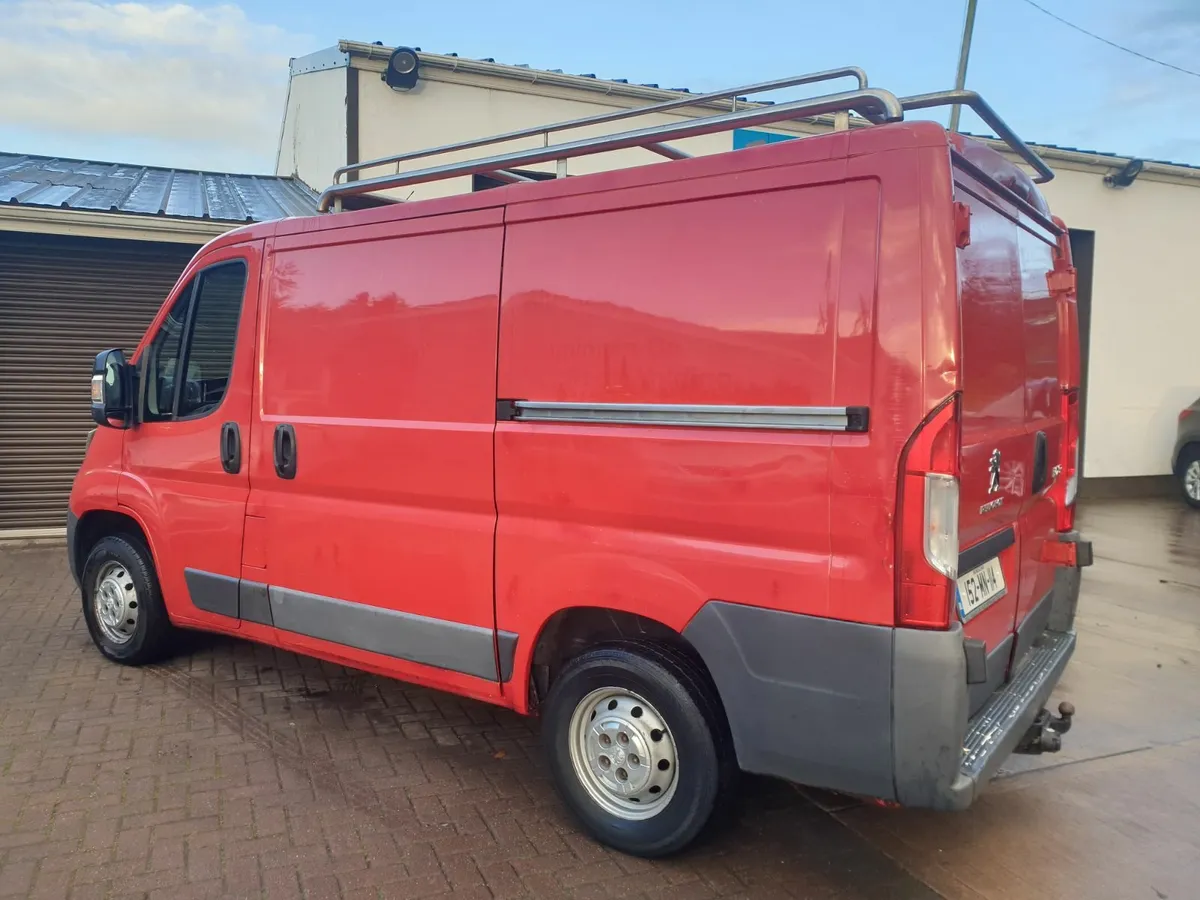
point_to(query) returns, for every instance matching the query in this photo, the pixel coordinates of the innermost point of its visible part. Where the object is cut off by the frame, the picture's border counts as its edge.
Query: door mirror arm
(112, 390)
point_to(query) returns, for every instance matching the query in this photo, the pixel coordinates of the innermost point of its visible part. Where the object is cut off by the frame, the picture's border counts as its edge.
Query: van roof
(832, 145)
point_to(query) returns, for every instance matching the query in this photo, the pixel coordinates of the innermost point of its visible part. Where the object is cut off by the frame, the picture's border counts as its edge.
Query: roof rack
(873, 104)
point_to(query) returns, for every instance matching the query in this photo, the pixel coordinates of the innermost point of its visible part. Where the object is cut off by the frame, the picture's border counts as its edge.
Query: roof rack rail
(991, 118)
(873, 104)
(544, 131)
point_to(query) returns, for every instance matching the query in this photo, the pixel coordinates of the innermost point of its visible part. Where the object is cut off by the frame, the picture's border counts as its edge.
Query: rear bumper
(872, 710)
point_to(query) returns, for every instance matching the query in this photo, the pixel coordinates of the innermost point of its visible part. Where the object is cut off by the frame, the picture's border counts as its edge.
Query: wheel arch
(101, 523)
(575, 629)
(1185, 449)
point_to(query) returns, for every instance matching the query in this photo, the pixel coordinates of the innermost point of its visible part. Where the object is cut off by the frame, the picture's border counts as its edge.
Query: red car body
(702, 399)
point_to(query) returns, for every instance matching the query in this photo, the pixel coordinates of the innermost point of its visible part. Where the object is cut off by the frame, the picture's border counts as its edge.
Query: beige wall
(313, 140)
(1145, 308)
(1144, 365)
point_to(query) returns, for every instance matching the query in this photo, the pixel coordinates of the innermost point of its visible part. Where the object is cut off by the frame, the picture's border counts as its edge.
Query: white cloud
(205, 79)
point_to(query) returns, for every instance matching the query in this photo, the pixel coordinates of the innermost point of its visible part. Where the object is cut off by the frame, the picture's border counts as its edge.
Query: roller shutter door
(62, 300)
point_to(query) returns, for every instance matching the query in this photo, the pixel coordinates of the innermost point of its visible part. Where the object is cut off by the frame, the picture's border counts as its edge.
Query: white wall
(313, 141)
(1144, 363)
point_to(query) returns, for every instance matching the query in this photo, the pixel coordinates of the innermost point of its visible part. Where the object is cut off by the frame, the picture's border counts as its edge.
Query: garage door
(62, 300)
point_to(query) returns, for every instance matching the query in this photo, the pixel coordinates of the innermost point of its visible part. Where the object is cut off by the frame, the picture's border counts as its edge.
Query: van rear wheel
(638, 746)
(122, 602)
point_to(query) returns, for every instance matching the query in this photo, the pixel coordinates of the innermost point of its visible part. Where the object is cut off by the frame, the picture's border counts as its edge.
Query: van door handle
(1039, 463)
(285, 451)
(231, 448)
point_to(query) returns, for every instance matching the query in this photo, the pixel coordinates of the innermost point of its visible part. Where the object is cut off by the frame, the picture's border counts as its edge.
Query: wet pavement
(239, 770)
(1116, 813)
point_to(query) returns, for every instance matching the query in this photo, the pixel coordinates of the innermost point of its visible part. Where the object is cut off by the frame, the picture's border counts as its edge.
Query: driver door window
(189, 361)
(162, 359)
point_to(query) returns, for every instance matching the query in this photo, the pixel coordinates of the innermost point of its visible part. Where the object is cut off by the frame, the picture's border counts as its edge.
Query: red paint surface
(821, 272)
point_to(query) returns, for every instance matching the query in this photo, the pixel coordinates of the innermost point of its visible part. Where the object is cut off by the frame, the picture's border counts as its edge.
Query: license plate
(979, 587)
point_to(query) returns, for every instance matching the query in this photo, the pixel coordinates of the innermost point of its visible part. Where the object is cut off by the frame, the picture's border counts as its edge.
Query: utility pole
(960, 80)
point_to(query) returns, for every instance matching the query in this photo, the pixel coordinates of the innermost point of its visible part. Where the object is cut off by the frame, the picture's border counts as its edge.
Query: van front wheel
(122, 602)
(638, 746)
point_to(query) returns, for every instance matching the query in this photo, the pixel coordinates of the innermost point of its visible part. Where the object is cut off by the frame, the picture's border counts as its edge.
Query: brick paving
(238, 770)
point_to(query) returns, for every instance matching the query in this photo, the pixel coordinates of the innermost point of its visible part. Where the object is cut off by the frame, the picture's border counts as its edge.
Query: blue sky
(200, 84)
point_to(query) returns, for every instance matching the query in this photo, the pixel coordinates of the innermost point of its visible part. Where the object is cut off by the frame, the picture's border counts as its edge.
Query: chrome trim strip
(777, 418)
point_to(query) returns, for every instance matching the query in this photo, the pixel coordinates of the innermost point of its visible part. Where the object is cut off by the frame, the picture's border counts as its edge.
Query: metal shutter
(63, 300)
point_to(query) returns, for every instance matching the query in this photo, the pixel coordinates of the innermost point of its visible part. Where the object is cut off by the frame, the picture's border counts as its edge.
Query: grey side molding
(469, 649)
(213, 593)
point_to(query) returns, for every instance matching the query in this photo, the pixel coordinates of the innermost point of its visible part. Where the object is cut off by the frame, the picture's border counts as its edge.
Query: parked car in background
(1186, 459)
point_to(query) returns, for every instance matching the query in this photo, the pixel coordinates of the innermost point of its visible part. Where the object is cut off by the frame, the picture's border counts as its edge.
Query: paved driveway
(239, 770)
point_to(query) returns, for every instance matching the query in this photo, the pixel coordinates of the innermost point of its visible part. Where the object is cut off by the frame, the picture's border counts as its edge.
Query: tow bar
(1045, 734)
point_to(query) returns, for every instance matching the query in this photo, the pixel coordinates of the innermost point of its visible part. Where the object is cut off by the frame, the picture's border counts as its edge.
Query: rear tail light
(1070, 461)
(1185, 414)
(927, 528)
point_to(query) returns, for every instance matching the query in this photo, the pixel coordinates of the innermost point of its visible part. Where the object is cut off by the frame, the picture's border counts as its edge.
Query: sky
(202, 84)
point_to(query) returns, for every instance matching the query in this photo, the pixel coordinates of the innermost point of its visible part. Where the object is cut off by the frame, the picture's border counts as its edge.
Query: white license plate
(979, 587)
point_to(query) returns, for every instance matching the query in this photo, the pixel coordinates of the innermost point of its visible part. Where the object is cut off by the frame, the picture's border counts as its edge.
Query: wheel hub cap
(1191, 480)
(115, 602)
(623, 753)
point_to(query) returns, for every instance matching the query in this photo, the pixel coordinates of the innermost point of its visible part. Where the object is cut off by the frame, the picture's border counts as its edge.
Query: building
(1131, 237)
(88, 253)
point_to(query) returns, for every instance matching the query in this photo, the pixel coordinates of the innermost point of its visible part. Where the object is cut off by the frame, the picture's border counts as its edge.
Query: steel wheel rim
(1191, 480)
(623, 753)
(115, 603)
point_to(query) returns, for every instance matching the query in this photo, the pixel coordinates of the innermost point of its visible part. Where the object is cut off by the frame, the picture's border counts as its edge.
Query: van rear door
(1011, 428)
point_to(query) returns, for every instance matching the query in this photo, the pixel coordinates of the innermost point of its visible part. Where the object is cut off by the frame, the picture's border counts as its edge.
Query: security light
(1126, 175)
(403, 69)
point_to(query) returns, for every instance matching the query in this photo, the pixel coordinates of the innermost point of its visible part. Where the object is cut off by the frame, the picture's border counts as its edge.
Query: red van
(759, 461)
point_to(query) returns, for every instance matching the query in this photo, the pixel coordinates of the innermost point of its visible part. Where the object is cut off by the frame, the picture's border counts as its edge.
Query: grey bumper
(867, 709)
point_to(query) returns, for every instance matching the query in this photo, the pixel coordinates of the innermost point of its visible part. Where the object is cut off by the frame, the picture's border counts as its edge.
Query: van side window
(162, 359)
(189, 361)
(218, 306)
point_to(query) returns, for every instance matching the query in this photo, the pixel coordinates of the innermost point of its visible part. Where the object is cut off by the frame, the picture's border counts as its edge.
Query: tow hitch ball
(1045, 734)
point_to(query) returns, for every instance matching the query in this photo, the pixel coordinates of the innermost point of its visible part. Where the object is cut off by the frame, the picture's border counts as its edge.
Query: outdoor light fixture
(403, 69)
(1125, 177)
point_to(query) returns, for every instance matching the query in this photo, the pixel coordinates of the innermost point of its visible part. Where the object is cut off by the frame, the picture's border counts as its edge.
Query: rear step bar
(1006, 719)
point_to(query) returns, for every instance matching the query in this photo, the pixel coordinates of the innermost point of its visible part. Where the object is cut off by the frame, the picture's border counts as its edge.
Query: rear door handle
(1039, 463)
(285, 451)
(231, 448)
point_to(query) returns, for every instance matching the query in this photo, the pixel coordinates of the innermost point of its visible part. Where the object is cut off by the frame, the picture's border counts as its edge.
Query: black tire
(683, 695)
(1188, 456)
(153, 637)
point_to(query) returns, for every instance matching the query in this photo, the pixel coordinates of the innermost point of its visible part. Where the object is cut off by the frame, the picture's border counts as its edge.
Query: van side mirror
(112, 390)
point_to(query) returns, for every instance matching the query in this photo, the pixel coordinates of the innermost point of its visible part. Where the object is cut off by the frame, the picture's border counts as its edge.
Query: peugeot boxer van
(760, 461)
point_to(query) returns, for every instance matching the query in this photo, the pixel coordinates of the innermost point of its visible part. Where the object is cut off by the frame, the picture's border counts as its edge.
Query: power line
(1105, 40)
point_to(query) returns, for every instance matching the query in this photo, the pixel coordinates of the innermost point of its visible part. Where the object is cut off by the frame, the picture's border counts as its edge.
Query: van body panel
(380, 354)
(172, 480)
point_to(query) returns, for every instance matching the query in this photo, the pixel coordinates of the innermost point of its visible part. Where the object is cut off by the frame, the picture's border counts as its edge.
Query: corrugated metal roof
(145, 190)
(1116, 157)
